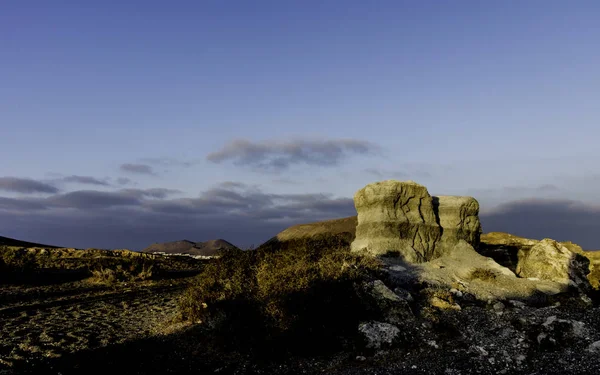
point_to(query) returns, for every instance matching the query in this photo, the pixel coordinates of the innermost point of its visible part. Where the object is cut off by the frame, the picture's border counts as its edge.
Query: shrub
(483, 274)
(121, 269)
(297, 296)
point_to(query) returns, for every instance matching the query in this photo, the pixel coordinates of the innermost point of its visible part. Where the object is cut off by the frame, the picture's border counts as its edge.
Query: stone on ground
(378, 334)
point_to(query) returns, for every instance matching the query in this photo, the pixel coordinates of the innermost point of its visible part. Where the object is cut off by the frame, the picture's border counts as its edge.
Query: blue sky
(498, 100)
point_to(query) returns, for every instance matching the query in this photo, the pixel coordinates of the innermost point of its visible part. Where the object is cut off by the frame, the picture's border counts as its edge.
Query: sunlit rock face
(401, 217)
(551, 260)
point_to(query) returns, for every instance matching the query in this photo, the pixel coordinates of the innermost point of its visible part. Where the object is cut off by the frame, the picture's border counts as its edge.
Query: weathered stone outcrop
(401, 217)
(550, 260)
(396, 216)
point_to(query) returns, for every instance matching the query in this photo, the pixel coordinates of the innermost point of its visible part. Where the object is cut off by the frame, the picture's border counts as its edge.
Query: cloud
(168, 162)
(135, 218)
(92, 199)
(561, 220)
(124, 181)
(159, 193)
(285, 181)
(85, 180)
(25, 186)
(137, 169)
(379, 173)
(491, 197)
(280, 155)
(21, 205)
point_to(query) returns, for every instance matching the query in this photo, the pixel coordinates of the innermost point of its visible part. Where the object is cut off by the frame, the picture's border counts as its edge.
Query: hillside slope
(5, 241)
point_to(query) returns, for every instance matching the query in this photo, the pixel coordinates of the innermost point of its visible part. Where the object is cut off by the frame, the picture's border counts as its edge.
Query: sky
(125, 123)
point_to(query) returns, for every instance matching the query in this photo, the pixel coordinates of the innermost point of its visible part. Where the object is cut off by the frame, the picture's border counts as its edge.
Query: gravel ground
(45, 322)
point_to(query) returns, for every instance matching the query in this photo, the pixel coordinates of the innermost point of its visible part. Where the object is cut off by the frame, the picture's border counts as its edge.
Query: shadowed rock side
(401, 217)
(208, 248)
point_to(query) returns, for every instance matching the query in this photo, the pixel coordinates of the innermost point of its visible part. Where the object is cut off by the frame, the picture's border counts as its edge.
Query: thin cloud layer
(167, 162)
(137, 169)
(280, 155)
(124, 181)
(86, 180)
(26, 186)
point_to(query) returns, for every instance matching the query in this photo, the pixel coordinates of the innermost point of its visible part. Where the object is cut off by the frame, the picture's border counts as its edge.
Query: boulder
(550, 260)
(509, 250)
(378, 334)
(401, 218)
(386, 304)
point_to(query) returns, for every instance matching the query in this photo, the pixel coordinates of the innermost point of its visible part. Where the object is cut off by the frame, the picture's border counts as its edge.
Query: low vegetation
(484, 274)
(297, 295)
(37, 265)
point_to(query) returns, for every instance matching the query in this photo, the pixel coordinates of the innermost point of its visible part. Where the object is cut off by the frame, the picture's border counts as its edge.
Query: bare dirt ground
(44, 322)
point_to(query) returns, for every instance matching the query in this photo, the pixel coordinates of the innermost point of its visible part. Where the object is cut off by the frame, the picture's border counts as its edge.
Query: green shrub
(298, 295)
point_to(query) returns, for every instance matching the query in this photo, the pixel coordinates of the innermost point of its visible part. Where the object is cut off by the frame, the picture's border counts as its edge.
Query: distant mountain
(5, 241)
(207, 248)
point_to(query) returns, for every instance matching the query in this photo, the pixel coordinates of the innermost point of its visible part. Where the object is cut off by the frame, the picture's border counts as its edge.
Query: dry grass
(298, 294)
(483, 274)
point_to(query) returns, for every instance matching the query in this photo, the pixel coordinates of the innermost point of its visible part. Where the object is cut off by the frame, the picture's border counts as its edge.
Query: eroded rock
(396, 216)
(550, 260)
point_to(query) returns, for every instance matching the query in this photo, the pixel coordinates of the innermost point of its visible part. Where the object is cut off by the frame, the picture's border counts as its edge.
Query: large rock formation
(550, 260)
(396, 216)
(401, 217)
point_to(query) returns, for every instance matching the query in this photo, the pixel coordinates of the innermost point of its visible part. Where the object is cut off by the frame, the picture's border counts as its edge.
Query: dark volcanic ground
(79, 327)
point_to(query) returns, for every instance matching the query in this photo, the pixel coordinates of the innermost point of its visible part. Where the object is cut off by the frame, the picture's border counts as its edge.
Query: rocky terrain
(410, 285)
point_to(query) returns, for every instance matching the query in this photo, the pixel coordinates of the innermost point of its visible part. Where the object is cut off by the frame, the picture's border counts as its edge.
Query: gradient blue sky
(498, 100)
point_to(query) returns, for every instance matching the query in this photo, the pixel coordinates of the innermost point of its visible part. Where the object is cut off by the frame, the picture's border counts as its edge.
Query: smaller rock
(517, 304)
(594, 347)
(361, 358)
(404, 294)
(434, 344)
(389, 306)
(498, 306)
(456, 292)
(443, 304)
(378, 334)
